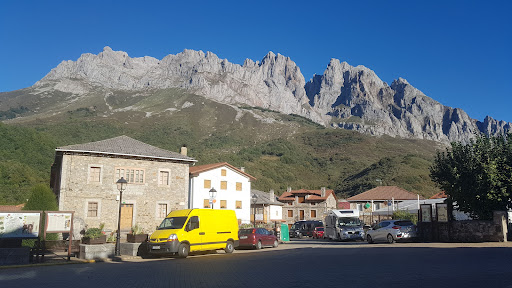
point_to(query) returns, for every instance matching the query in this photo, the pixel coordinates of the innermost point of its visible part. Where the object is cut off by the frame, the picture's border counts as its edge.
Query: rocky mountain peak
(344, 96)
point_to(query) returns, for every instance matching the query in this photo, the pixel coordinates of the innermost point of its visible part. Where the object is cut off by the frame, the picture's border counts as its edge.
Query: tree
(42, 198)
(477, 176)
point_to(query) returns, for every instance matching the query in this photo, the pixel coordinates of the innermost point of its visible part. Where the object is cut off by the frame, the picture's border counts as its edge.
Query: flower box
(136, 238)
(100, 240)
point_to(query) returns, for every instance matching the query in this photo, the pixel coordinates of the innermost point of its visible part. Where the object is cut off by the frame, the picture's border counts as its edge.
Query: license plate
(156, 247)
(243, 237)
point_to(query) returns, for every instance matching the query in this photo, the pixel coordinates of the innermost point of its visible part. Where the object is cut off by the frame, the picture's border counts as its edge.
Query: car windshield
(172, 223)
(349, 221)
(245, 231)
(320, 229)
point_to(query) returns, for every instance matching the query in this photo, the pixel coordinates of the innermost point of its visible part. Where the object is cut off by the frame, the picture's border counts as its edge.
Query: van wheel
(391, 240)
(258, 245)
(229, 247)
(275, 244)
(300, 235)
(183, 250)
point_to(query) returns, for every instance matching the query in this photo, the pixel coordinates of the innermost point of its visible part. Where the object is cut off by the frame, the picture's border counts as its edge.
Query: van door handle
(201, 233)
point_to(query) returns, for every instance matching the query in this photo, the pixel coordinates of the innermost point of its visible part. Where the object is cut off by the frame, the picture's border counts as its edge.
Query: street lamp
(213, 194)
(254, 199)
(121, 186)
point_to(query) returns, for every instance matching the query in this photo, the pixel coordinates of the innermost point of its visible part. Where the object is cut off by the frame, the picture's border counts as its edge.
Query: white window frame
(89, 173)
(157, 211)
(168, 179)
(86, 208)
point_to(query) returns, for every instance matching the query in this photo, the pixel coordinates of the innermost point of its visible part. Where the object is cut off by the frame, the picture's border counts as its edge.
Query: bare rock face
(344, 96)
(276, 83)
(358, 100)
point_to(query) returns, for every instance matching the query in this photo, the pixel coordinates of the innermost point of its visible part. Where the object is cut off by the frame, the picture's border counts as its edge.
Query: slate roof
(196, 170)
(125, 146)
(313, 195)
(384, 193)
(264, 198)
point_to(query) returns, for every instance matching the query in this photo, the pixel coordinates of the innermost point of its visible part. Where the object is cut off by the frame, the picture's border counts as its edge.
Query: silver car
(391, 231)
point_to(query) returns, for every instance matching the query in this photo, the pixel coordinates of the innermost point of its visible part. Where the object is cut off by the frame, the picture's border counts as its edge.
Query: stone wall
(466, 231)
(76, 190)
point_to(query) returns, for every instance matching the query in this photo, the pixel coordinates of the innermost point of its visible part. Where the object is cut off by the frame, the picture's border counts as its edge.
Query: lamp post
(213, 193)
(121, 186)
(254, 198)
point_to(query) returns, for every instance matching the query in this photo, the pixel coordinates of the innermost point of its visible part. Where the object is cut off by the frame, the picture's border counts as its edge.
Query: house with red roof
(377, 198)
(305, 204)
(232, 188)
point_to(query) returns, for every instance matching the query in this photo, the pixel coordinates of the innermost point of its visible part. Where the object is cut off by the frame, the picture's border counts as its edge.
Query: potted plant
(137, 235)
(95, 236)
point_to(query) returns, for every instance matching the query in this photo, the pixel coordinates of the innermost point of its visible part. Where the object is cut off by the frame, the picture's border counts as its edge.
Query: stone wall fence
(466, 231)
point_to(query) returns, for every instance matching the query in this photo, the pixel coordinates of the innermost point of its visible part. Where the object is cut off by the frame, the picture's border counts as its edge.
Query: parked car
(391, 231)
(304, 228)
(257, 238)
(318, 233)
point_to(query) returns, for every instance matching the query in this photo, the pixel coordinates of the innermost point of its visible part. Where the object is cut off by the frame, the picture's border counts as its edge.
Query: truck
(343, 224)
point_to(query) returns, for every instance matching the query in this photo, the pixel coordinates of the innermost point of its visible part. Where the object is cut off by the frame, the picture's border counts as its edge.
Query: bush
(405, 215)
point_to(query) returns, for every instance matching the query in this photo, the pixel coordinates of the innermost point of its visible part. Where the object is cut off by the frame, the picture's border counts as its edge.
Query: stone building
(307, 204)
(84, 180)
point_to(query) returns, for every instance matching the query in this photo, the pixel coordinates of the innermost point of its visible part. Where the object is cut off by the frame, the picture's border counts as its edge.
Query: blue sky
(457, 52)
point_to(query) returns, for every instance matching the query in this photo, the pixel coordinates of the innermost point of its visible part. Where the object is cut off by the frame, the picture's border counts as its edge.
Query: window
(223, 185)
(162, 210)
(238, 186)
(290, 213)
(313, 213)
(290, 203)
(301, 214)
(131, 175)
(208, 184)
(302, 199)
(238, 204)
(223, 204)
(206, 203)
(94, 174)
(163, 178)
(92, 209)
(222, 172)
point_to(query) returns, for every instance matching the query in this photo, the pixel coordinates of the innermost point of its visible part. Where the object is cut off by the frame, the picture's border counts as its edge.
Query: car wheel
(229, 247)
(369, 239)
(391, 240)
(183, 250)
(258, 245)
(275, 244)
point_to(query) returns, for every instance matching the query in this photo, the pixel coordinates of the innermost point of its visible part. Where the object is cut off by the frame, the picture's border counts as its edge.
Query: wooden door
(126, 216)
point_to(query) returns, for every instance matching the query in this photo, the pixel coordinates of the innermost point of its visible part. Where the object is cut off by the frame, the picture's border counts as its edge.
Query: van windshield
(349, 221)
(172, 223)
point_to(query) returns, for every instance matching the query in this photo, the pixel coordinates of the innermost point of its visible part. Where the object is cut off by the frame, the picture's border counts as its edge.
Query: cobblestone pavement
(301, 263)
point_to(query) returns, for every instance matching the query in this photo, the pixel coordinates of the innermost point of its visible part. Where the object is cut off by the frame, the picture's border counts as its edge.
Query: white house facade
(232, 184)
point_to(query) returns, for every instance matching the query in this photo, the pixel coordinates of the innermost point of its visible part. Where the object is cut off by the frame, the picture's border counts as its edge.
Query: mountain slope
(348, 97)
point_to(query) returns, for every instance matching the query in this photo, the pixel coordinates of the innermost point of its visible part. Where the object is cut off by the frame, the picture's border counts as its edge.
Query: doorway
(126, 216)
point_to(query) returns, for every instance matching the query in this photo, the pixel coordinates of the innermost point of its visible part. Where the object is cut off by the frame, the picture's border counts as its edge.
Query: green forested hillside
(279, 150)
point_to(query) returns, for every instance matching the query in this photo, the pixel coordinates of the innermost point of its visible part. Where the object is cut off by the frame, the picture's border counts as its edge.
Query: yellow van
(191, 230)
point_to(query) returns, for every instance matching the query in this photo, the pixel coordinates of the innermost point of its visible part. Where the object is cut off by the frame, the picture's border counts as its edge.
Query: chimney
(289, 189)
(183, 150)
(272, 197)
(242, 169)
(323, 191)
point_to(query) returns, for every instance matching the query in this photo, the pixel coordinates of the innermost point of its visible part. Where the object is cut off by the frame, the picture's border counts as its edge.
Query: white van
(343, 224)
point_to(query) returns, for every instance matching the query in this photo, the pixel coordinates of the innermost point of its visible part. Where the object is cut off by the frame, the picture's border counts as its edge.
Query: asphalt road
(304, 263)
